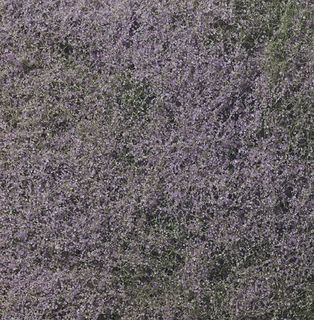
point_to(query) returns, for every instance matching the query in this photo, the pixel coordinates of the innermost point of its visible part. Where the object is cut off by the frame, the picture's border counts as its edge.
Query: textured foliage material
(156, 159)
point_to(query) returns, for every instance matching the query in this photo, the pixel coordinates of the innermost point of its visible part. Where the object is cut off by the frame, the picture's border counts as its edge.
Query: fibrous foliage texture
(156, 159)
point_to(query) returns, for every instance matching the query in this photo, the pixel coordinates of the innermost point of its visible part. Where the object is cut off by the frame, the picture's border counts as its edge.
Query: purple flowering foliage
(156, 159)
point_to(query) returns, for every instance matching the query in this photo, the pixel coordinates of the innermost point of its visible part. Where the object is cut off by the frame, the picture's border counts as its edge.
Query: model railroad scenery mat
(156, 160)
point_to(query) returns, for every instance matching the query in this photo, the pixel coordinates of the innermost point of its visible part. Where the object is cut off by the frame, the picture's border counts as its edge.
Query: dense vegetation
(156, 159)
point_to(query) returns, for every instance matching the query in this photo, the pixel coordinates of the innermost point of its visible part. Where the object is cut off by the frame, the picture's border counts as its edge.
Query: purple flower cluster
(156, 160)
